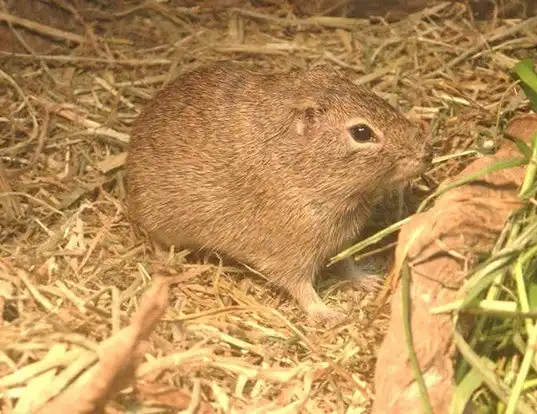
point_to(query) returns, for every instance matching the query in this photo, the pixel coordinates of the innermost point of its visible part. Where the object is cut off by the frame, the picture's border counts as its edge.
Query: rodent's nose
(427, 155)
(427, 144)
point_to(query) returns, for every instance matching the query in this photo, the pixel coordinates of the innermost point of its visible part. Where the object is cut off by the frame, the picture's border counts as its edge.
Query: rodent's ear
(306, 114)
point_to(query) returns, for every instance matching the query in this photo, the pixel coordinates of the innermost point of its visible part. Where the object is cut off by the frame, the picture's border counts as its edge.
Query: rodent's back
(212, 110)
(199, 146)
(187, 112)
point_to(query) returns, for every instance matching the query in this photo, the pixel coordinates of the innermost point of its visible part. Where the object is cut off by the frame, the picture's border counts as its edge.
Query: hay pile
(71, 270)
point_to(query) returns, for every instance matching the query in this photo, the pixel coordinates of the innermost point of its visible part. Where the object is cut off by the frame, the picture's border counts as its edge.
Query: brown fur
(260, 168)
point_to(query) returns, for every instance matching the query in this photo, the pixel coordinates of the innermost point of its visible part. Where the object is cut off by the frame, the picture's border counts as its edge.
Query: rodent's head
(363, 144)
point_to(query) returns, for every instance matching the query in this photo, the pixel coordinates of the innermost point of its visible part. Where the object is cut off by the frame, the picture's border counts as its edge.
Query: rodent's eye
(362, 133)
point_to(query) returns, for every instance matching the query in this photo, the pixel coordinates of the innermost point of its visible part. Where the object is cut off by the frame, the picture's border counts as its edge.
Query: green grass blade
(405, 291)
(497, 166)
(485, 368)
(532, 294)
(522, 289)
(483, 274)
(464, 391)
(514, 397)
(482, 279)
(522, 146)
(525, 70)
(531, 171)
(375, 238)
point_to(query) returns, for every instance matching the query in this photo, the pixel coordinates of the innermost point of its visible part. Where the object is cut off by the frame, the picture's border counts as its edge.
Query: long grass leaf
(464, 391)
(410, 343)
(497, 166)
(525, 70)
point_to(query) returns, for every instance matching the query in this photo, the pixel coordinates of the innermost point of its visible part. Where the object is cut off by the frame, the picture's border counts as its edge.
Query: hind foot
(367, 278)
(317, 312)
(321, 314)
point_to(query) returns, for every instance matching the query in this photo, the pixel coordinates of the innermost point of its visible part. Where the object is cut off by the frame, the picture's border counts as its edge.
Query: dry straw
(71, 271)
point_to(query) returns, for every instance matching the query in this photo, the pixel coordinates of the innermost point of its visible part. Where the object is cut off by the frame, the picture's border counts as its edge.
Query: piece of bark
(119, 356)
(466, 220)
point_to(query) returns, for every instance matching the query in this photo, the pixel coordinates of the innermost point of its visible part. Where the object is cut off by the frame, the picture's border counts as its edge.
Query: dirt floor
(71, 270)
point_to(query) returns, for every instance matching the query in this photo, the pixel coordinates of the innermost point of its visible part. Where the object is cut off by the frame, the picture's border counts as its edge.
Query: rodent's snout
(427, 154)
(424, 157)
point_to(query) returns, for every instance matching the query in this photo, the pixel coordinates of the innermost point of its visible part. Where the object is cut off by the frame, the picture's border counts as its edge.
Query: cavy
(277, 171)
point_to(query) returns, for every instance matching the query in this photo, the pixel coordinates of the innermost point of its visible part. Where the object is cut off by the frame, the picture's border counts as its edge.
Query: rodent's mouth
(407, 172)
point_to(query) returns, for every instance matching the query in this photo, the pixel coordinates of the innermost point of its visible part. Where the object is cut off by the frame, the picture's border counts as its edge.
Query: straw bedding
(72, 271)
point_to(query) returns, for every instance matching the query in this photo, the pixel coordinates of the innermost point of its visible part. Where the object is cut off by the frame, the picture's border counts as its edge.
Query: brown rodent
(277, 171)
